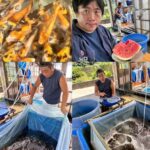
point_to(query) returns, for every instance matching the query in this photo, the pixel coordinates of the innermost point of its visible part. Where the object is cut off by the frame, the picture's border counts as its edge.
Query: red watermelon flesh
(126, 51)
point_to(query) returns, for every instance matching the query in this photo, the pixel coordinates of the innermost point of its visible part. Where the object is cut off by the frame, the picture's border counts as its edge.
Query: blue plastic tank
(83, 110)
(139, 38)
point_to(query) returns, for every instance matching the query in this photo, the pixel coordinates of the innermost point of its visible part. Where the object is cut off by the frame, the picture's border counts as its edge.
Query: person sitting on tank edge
(104, 87)
(90, 39)
(54, 82)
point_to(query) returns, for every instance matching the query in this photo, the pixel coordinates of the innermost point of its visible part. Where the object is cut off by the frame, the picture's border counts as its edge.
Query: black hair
(46, 64)
(84, 3)
(119, 3)
(99, 71)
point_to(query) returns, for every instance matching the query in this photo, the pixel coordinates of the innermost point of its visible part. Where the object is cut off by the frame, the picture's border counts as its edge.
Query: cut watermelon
(126, 51)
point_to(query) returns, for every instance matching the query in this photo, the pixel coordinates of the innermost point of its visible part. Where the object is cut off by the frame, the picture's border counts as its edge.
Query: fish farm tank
(127, 128)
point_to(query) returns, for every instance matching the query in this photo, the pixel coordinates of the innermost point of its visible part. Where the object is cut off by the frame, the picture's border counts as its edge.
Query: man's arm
(116, 12)
(113, 88)
(33, 89)
(64, 89)
(98, 93)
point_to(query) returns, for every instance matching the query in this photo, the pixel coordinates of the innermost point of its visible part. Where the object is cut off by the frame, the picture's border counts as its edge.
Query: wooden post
(115, 71)
(109, 3)
(64, 68)
(4, 78)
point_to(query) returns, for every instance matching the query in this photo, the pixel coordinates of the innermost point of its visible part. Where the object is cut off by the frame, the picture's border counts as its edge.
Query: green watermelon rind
(115, 58)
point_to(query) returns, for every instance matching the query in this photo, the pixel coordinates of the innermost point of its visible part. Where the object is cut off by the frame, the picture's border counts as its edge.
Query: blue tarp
(52, 127)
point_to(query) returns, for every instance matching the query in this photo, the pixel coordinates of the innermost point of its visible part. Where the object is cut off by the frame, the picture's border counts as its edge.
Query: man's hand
(102, 94)
(64, 110)
(30, 101)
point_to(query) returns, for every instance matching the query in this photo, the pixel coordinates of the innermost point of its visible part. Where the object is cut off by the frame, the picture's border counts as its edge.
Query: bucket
(3, 109)
(83, 110)
(139, 38)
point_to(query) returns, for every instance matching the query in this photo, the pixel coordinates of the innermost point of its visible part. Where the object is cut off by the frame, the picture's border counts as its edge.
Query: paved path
(84, 93)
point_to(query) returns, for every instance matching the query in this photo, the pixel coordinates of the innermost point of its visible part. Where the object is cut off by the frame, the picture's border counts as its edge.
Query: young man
(119, 16)
(119, 11)
(90, 39)
(54, 82)
(127, 16)
(104, 87)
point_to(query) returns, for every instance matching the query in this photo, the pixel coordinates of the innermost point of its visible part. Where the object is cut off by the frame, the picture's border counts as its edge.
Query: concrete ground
(84, 93)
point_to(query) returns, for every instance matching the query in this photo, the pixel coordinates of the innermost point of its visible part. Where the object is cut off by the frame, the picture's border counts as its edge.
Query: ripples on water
(129, 135)
(29, 143)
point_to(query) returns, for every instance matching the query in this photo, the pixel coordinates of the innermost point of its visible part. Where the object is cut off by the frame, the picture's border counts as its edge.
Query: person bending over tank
(54, 82)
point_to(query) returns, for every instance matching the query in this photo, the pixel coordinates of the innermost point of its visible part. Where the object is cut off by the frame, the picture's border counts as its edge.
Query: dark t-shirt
(96, 46)
(52, 90)
(105, 87)
(119, 11)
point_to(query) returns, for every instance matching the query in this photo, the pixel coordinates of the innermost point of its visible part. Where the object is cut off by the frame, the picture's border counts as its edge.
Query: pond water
(29, 143)
(129, 135)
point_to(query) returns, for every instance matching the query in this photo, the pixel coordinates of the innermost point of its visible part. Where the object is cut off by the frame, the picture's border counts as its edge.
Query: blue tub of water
(83, 110)
(139, 38)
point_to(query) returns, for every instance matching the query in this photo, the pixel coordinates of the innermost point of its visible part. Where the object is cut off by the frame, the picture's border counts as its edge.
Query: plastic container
(108, 102)
(139, 38)
(45, 122)
(3, 109)
(3, 113)
(81, 140)
(83, 110)
(22, 65)
(102, 125)
(146, 90)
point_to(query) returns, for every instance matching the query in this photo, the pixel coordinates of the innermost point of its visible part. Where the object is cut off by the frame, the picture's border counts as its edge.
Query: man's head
(88, 13)
(101, 75)
(46, 68)
(125, 10)
(119, 4)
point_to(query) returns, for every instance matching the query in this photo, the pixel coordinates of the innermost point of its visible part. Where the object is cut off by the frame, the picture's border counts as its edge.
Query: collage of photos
(74, 74)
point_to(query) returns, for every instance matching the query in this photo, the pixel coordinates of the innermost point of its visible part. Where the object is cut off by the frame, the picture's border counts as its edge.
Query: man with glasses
(89, 38)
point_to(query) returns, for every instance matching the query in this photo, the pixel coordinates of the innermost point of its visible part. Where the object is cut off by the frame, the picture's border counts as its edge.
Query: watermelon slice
(127, 50)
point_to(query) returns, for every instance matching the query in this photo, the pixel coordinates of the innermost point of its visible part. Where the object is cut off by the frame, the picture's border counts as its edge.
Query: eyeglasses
(87, 12)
